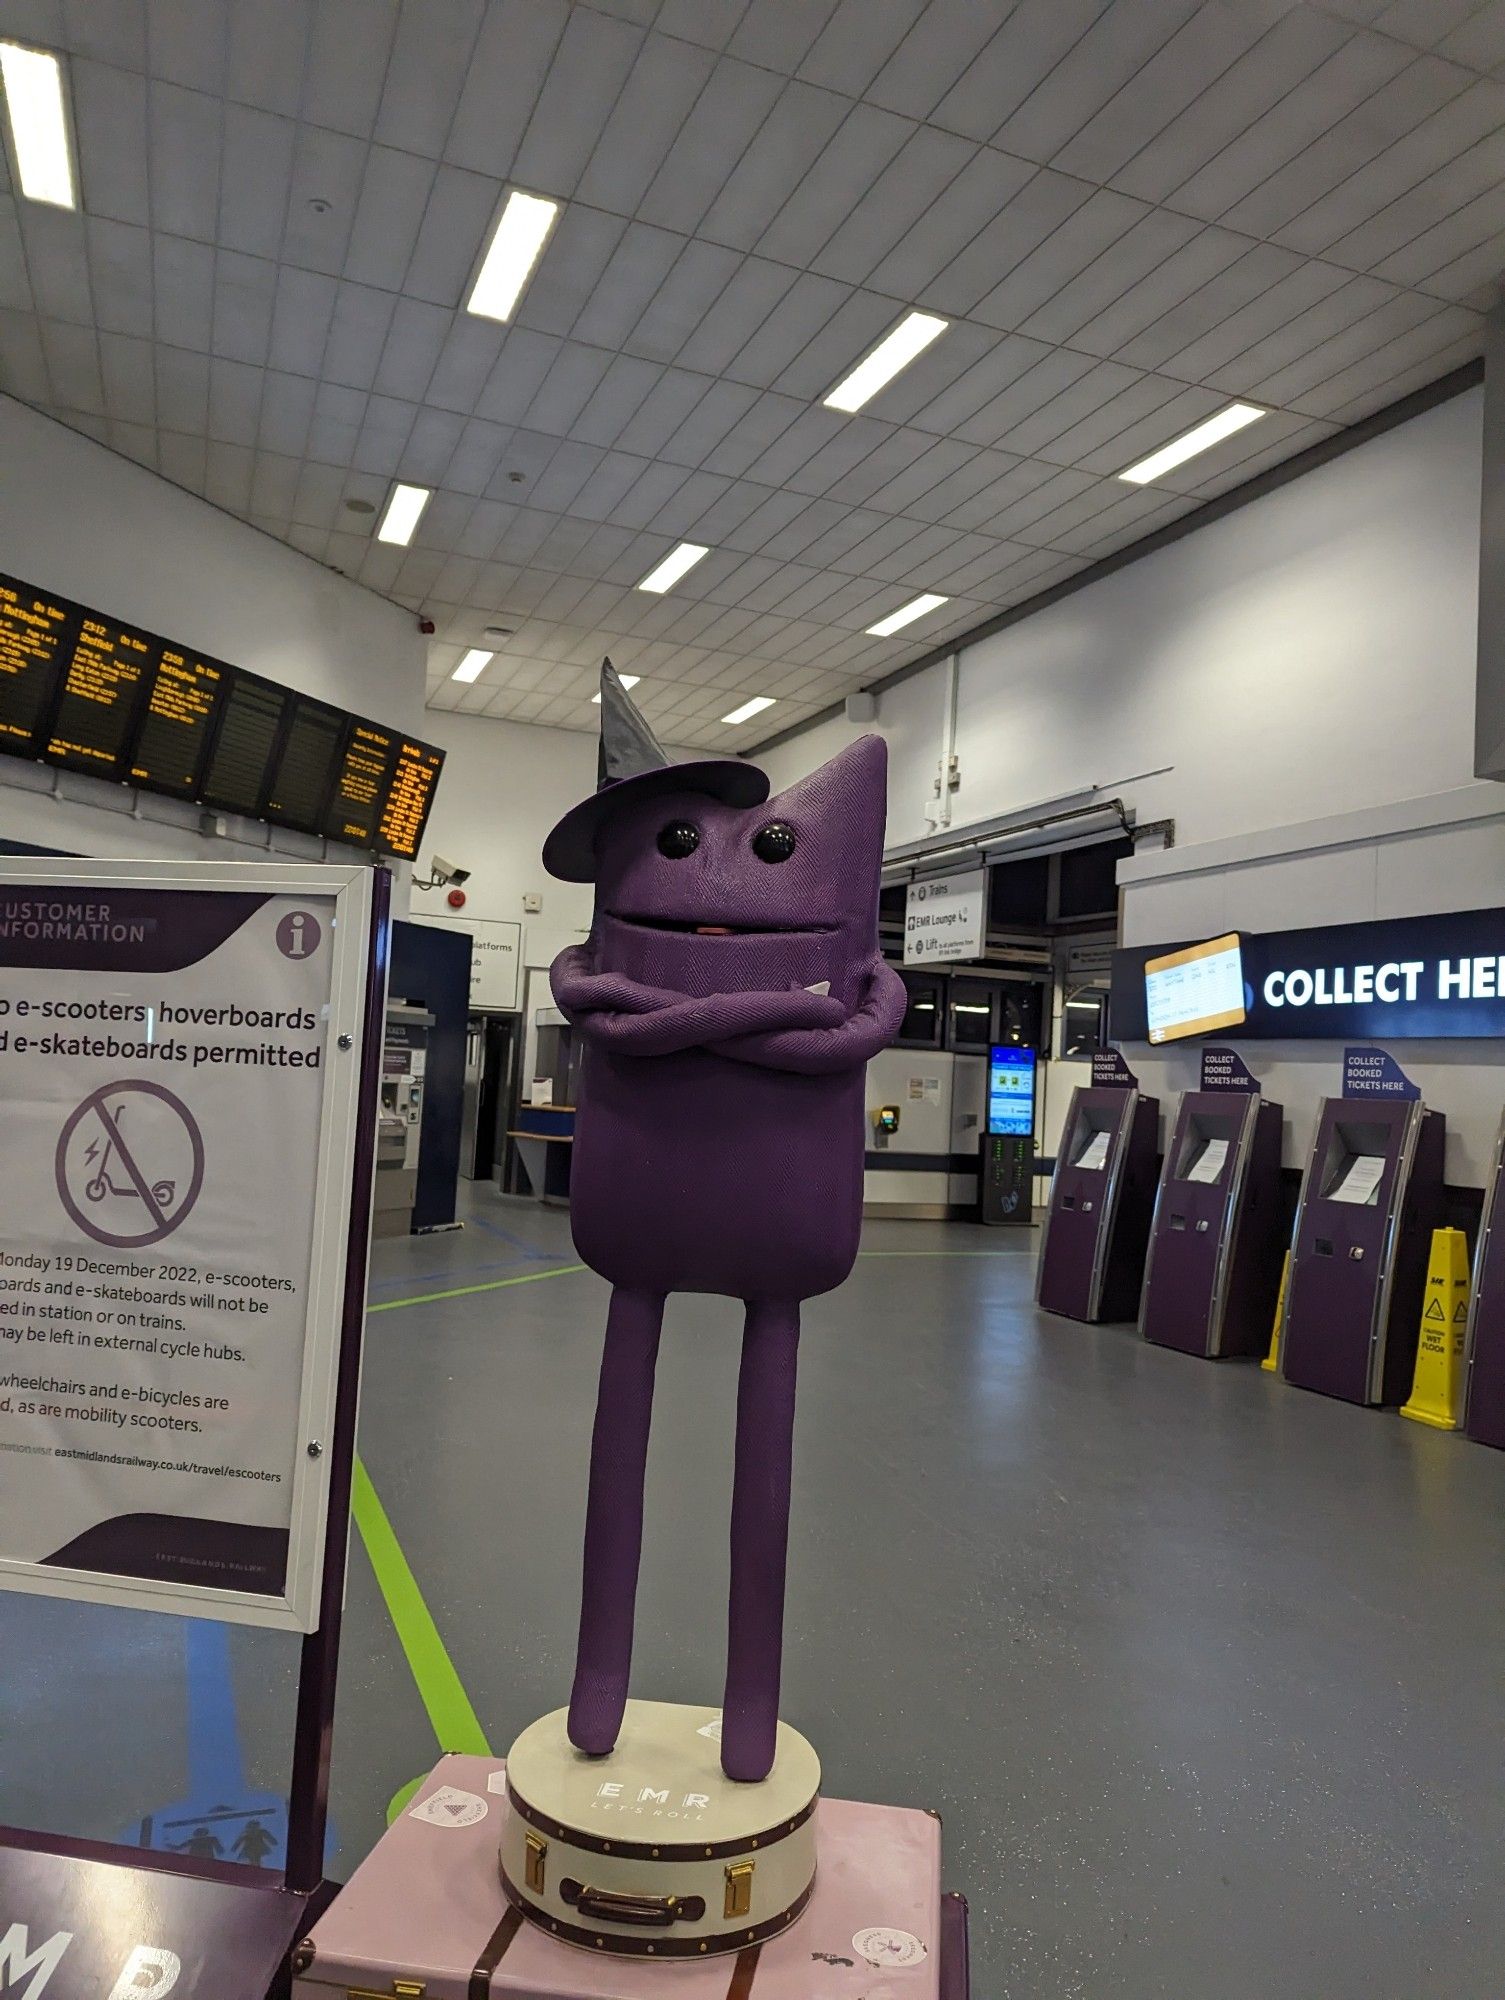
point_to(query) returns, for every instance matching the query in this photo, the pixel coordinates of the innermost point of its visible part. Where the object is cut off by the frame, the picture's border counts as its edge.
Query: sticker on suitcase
(888, 1949)
(451, 1807)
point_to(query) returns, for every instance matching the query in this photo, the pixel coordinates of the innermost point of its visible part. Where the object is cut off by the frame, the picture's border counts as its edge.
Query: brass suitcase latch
(402, 1989)
(739, 1885)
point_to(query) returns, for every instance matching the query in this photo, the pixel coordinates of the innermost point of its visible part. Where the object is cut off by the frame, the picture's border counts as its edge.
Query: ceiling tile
(657, 98)
(1032, 39)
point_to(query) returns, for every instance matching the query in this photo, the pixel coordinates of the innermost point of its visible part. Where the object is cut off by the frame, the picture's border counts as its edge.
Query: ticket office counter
(1216, 1244)
(1370, 1199)
(1097, 1223)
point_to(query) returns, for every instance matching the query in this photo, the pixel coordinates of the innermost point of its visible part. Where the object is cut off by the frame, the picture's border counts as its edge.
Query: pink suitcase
(424, 1918)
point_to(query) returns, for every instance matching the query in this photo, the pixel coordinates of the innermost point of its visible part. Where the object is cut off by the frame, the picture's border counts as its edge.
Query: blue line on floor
(216, 1769)
(450, 1271)
(532, 1249)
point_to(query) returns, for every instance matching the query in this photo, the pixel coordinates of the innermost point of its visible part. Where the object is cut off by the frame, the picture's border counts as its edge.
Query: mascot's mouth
(689, 927)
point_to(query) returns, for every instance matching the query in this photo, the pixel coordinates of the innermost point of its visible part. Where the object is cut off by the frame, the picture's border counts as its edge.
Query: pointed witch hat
(634, 765)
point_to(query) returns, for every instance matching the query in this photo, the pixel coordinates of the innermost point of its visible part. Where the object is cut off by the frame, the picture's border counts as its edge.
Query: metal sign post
(133, 999)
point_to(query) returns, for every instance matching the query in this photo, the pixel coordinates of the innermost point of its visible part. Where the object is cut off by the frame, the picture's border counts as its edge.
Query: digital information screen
(361, 787)
(33, 630)
(80, 690)
(174, 736)
(250, 716)
(410, 793)
(95, 718)
(305, 765)
(1011, 1092)
(1191, 992)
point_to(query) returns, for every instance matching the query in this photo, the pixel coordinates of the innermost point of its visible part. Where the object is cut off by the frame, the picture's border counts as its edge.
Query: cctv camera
(446, 871)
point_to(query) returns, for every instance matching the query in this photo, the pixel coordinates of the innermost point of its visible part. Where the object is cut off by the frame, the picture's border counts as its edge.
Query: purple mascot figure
(728, 999)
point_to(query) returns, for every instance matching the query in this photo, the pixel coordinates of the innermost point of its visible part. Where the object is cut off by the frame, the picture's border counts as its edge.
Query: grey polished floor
(1203, 1673)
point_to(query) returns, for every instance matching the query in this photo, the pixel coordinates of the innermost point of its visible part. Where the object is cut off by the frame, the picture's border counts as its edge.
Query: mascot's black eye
(678, 839)
(775, 842)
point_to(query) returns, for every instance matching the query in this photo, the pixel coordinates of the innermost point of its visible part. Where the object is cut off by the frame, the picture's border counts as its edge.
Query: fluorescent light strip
(1203, 438)
(474, 664)
(38, 124)
(909, 339)
(404, 511)
(750, 708)
(906, 615)
(627, 680)
(673, 567)
(521, 231)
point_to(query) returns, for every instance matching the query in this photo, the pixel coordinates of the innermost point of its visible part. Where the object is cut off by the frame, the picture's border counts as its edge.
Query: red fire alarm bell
(456, 899)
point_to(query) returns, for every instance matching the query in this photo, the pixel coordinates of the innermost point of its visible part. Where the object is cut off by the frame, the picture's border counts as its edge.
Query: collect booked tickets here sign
(180, 1050)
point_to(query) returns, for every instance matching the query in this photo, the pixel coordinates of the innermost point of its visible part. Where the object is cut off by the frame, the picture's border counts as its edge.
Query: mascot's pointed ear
(628, 746)
(848, 795)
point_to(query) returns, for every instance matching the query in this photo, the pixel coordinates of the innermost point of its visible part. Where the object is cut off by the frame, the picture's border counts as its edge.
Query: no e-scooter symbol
(130, 1164)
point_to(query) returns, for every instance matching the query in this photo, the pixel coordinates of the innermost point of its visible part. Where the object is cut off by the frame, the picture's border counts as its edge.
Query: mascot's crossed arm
(729, 997)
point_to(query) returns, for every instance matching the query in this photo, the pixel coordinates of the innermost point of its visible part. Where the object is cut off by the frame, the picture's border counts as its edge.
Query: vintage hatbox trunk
(425, 1918)
(652, 1851)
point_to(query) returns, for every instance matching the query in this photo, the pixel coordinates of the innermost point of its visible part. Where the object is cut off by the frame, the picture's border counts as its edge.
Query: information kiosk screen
(1193, 991)
(1011, 1092)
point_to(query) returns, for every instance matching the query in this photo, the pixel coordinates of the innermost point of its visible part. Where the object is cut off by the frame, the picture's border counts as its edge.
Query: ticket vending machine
(1007, 1179)
(1216, 1245)
(1370, 1199)
(1098, 1222)
(1484, 1394)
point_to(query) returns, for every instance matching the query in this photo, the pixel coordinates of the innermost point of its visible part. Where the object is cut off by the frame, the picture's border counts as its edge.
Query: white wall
(78, 519)
(1299, 679)
(1312, 652)
(504, 786)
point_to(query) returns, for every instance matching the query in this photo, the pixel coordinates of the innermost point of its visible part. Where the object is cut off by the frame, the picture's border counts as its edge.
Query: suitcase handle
(649, 1912)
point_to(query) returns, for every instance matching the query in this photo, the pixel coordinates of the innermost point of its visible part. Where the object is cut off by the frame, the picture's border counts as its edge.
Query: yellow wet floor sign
(1437, 1392)
(1272, 1359)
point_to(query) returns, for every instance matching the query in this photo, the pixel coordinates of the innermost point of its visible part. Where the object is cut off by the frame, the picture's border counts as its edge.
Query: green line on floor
(455, 1723)
(465, 1291)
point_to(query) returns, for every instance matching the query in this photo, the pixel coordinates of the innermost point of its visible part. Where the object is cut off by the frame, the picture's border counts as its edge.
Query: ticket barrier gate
(1216, 1243)
(1484, 1391)
(1370, 1199)
(1097, 1223)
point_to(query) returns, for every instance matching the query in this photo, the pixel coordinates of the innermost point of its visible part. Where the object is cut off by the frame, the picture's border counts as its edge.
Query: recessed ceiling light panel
(404, 511)
(674, 565)
(37, 110)
(909, 339)
(906, 615)
(1202, 438)
(517, 241)
(750, 708)
(475, 663)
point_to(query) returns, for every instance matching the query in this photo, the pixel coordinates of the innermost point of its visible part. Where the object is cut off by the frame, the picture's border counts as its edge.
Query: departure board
(104, 683)
(304, 768)
(410, 793)
(81, 690)
(174, 736)
(33, 629)
(361, 787)
(250, 715)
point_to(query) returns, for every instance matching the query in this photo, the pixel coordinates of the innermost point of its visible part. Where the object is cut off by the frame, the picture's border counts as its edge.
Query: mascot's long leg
(614, 1519)
(760, 1537)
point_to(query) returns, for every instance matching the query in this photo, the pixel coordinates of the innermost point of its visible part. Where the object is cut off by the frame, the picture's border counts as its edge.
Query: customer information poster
(179, 1116)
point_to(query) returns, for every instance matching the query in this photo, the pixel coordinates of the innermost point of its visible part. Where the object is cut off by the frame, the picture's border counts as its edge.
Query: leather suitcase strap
(744, 1972)
(497, 1947)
